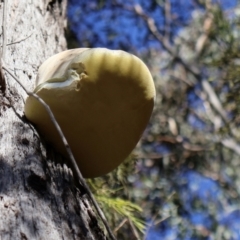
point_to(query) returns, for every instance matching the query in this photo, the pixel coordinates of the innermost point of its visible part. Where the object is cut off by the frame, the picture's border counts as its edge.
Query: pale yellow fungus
(102, 100)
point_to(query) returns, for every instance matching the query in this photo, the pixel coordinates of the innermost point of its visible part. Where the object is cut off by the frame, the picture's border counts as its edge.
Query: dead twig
(205, 84)
(164, 41)
(230, 143)
(120, 225)
(4, 28)
(134, 230)
(2, 78)
(18, 41)
(202, 40)
(168, 18)
(3, 52)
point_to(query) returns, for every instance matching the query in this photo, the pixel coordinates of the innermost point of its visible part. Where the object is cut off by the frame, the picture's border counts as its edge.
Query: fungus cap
(102, 100)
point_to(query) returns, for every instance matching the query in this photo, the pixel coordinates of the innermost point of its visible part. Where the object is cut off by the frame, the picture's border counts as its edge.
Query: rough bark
(38, 197)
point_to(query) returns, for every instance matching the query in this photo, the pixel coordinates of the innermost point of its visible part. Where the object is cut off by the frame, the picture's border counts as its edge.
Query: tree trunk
(38, 198)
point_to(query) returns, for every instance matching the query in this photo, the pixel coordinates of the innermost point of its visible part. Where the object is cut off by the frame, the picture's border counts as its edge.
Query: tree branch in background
(134, 230)
(164, 41)
(203, 38)
(168, 19)
(207, 88)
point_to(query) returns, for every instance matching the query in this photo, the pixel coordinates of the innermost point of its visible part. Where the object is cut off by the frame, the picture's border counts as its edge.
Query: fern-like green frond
(124, 208)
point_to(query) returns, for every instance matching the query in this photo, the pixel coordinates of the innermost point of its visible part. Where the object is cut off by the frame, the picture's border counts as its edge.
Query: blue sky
(112, 27)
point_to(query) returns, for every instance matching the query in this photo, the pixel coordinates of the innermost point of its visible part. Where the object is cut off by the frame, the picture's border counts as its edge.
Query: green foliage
(124, 209)
(111, 192)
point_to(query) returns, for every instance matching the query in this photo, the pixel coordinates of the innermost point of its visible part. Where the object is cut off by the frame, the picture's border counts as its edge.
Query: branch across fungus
(92, 105)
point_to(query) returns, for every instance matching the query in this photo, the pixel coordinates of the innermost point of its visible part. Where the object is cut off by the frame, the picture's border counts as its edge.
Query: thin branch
(216, 121)
(168, 18)
(202, 40)
(2, 78)
(69, 151)
(18, 41)
(179, 78)
(164, 41)
(3, 52)
(155, 223)
(167, 46)
(231, 144)
(120, 225)
(134, 230)
(213, 98)
(4, 29)
(208, 89)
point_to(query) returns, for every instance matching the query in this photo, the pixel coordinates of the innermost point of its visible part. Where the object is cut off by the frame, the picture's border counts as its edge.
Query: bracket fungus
(102, 100)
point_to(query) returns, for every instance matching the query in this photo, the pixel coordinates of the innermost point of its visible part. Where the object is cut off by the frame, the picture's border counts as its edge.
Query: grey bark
(38, 197)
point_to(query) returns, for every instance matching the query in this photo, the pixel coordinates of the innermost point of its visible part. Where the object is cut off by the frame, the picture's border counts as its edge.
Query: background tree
(187, 173)
(39, 198)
